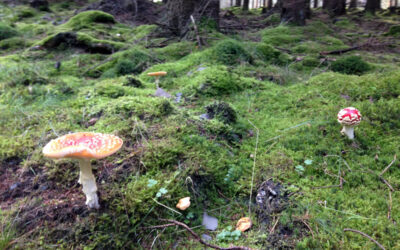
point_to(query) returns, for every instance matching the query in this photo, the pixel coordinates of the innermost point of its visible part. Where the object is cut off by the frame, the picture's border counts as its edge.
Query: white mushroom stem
(157, 81)
(86, 178)
(349, 131)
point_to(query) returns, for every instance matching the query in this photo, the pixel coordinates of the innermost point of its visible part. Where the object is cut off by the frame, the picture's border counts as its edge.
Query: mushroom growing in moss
(157, 75)
(349, 118)
(84, 146)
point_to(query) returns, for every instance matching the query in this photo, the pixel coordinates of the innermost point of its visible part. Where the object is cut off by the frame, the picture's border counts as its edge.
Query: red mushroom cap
(349, 116)
(83, 145)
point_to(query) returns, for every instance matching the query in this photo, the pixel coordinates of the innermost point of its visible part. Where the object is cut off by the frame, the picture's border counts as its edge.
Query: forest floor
(246, 125)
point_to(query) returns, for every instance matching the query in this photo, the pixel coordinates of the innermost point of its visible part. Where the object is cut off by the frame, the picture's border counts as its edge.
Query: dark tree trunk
(165, 1)
(315, 4)
(335, 7)
(246, 5)
(179, 12)
(372, 6)
(270, 3)
(264, 8)
(238, 3)
(294, 11)
(308, 9)
(353, 4)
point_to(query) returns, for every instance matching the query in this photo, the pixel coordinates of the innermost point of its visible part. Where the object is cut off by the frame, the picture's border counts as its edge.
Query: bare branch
(365, 235)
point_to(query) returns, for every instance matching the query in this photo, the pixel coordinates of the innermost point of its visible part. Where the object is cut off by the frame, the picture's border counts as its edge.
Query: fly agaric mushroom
(349, 118)
(157, 75)
(183, 203)
(84, 146)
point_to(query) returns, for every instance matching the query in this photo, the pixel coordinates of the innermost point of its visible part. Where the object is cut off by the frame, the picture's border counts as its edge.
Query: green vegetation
(6, 31)
(353, 65)
(88, 18)
(268, 101)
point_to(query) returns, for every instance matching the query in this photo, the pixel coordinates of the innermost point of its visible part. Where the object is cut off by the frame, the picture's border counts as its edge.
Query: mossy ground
(279, 85)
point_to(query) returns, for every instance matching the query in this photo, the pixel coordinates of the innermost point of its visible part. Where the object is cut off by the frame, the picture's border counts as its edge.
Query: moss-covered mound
(88, 18)
(353, 65)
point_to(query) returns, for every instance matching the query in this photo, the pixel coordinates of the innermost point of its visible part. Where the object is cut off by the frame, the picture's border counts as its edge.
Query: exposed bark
(335, 7)
(372, 6)
(294, 11)
(353, 4)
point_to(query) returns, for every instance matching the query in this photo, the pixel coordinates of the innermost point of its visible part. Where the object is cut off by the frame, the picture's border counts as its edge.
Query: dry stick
(309, 228)
(196, 31)
(394, 159)
(254, 165)
(390, 205)
(273, 227)
(365, 235)
(173, 210)
(198, 238)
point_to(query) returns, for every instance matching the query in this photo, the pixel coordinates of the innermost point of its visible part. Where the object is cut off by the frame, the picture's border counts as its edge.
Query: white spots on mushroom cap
(349, 116)
(83, 145)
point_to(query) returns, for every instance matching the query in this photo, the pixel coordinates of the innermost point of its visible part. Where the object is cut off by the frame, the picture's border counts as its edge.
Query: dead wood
(196, 236)
(365, 235)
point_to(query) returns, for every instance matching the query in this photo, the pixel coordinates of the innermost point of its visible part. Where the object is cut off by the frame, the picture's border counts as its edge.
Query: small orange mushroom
(243, 224)
(157, 75)
(183, 203)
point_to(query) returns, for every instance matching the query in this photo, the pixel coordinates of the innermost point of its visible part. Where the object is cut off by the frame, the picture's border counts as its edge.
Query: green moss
(394, 31)
(221, 111)
(88, 18)
(7, 31)
(350, 65)
(269, 54)
(231, 52)
(129, 62)
(26, 13)
(175, 51)
(214, 81)
(13, 43)
(310, 61)
(281, 35)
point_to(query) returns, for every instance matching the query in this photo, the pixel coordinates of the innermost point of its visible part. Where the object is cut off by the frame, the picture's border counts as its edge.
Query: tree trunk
(372, 5)
(246, 5)
(179, 12)
(238, 3)
(294, 11)
(264, 8)
(335, 7)
(165, 1)
(315, 4)
(353, 4)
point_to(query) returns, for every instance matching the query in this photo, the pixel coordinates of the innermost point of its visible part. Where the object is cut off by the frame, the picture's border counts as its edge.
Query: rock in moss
(133, 82)
(221, 111)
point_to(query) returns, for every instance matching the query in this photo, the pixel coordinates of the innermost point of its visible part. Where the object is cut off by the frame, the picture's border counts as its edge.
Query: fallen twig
(173, 210)
(196, 236)
(273, 227)
(331, 186)
(390, 164)
(341, 51)
(365, 235)
(254, 165)
(309, 228)
(196, 31)
(390, 205)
